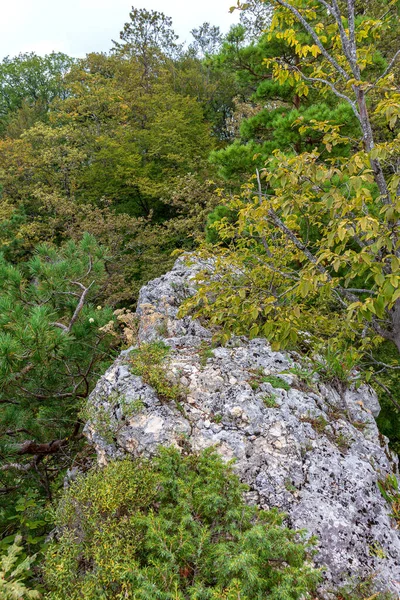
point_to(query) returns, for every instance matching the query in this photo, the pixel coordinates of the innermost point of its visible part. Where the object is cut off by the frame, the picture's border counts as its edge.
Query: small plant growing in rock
(277, 382)
(148, 362)
(205, 352)
(376, 549)
(343, 442)
(256, 378)
(270, 401)
(289, 486)
(103, 416)
(216, 418)
(390, 491)
(124, 326)
(361, 590)
(334, 413)
(318, 423)
(337, 367)
(176, 527)
(162, 328)
(305, 379)
(360, 425)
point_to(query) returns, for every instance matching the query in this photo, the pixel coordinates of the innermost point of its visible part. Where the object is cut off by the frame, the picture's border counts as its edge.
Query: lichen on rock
(316, 454)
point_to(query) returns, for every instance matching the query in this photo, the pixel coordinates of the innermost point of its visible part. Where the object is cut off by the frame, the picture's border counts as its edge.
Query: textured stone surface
(316, 454)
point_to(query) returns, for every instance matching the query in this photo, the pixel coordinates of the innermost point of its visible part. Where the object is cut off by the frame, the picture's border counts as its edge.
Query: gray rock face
(311, 451)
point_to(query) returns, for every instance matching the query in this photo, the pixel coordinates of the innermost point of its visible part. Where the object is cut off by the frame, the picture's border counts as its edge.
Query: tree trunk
(369, 144)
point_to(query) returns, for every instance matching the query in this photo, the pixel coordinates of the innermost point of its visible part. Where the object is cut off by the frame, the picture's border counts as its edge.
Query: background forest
(275, 158)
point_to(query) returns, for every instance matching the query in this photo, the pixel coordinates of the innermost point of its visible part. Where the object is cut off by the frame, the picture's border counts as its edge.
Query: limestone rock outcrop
(307, 448)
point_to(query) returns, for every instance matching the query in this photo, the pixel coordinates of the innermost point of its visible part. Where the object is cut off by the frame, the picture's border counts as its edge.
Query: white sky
(77, 27)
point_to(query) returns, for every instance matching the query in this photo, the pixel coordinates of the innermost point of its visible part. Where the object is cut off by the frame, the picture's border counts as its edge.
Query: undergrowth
(175, 528)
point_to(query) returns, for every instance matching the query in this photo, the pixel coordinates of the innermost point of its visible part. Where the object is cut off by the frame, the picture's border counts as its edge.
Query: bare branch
(386, 71)
(32, 447)
(49, 396)
(90, 266)
(67, 294)
(348, 45)
(329, 84)
(352, 33)
(260, 197)
(17, 467)
(388, 392)
(16, 431)
(14, 402)
(382, 364)
(60, 326)
(328, 6)
(80, 306)
(79, 284)
(361, 291)
(24, 371)
(85, 291)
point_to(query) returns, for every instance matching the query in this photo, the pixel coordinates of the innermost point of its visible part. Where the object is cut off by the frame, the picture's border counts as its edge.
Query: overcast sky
(77, 27)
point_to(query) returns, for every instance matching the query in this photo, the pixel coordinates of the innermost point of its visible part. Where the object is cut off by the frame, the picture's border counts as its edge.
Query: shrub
(219, 213)
(173, 528)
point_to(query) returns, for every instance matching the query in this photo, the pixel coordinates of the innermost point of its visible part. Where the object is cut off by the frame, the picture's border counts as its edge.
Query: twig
(388, 392)
(386, 71)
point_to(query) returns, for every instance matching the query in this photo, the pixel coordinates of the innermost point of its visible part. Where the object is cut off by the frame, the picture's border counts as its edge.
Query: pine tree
(272, 114)
(51, 353)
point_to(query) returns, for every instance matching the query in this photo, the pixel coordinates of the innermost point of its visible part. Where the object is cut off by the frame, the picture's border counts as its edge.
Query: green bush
(173, 528)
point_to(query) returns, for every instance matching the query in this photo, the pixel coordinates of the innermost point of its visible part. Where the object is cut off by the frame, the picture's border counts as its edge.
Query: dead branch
(80, 305)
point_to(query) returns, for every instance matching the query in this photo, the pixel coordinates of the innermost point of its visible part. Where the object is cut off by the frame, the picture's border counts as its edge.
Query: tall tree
(321, 236)
(52, 351)
(207, 40)
(148, 35)
(271, 114)
(29, 83)
(112, 138)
